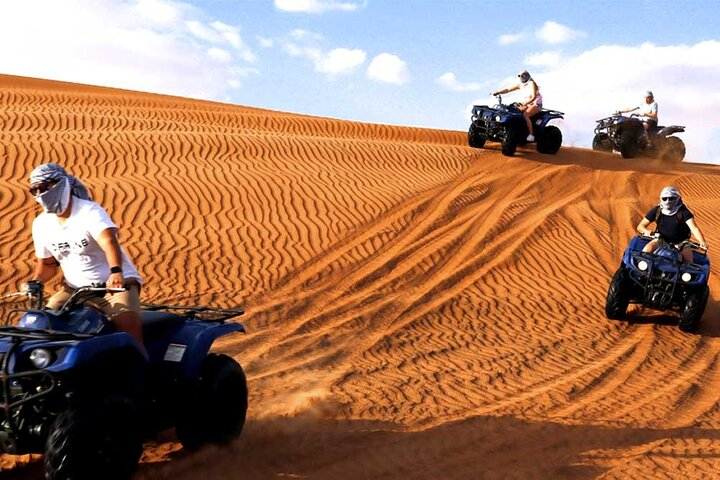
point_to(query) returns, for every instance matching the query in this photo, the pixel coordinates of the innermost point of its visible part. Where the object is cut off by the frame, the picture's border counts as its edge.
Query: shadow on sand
(478, 447)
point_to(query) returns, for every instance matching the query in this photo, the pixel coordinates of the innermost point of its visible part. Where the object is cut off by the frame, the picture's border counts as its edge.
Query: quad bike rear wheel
(218, 404)
(98, 438)
(673, 150)
(618, 296)
(693, 310)
(550, 140)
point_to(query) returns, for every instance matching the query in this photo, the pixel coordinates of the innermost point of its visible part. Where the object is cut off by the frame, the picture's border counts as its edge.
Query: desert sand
(416, 309)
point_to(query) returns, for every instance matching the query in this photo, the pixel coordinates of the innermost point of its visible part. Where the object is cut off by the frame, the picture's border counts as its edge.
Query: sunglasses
(41, 188)
(667, 199)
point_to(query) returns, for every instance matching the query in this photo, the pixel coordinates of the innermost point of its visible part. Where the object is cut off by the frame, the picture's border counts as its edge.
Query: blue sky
(401, 62)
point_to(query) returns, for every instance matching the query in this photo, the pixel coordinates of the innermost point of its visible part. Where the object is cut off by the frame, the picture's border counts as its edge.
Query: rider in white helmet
(674, 223)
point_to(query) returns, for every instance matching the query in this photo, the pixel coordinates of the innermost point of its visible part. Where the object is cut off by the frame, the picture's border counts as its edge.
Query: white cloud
(219, 54)
(303, 35)
(449, 81)
(340, 61)
(158, 46)
(317, 6)
(544, 59)
(264, 42)
(388, 68)
(554, 33)
(683, 79)
(510, 38)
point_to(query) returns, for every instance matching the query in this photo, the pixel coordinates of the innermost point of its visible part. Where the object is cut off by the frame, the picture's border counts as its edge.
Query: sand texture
(416, 309)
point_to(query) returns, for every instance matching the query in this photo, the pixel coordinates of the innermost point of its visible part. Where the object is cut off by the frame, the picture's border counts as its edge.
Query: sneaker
(530, 138)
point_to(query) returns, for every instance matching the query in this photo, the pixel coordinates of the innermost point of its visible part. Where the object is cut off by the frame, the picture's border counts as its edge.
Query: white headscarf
(673, 202)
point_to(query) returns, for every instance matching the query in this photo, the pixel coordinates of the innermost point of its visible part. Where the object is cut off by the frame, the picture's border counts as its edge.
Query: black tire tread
(618, 296)
(220, 404)
(94, 439)
(693, 310)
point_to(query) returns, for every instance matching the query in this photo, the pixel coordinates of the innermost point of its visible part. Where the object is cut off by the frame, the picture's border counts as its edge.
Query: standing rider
(533, 101)
(674, 224)
(75, 233)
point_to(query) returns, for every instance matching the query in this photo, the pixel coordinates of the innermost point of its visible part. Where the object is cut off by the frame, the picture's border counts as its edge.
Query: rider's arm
(108, 241)
(506, 90)
(642, 227)
(45, 269)
(696, 232)
(627, 110)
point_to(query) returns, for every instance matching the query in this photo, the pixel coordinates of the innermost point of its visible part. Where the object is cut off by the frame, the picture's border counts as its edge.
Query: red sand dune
(415, 308)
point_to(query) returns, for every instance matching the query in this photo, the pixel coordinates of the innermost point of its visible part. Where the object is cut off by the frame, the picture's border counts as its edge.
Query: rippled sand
(415, 308)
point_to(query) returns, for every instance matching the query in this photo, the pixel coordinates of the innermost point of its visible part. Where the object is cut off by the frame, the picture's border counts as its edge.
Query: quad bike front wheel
(510, 141)
(475, 138)
(618, 296)
(602, 143)
(218, 404)
(693, 310)
(97, 438)
(550, 140)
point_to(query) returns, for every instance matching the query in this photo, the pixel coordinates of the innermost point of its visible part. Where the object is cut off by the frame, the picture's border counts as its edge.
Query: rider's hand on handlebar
(115, 280)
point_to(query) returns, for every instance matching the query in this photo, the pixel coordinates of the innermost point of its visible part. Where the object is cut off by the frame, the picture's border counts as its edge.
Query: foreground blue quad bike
(506, 124)
(87, 396)
(626, 134)
(661, 281)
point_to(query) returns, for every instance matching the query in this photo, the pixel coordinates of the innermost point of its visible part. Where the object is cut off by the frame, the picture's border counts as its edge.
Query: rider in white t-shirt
(75, 233)
(648, 112)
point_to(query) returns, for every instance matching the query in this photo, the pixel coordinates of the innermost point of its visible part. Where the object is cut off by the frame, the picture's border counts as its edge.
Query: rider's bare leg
(651, 246)
(687, 255)
(529, 112)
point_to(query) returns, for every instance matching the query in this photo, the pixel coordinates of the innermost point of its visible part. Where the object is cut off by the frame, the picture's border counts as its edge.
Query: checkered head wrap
(49, 172)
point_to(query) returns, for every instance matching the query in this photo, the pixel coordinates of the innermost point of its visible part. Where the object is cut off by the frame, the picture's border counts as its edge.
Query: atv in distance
(626, 134)
(661, 281)
(85, 396)
(506, 124)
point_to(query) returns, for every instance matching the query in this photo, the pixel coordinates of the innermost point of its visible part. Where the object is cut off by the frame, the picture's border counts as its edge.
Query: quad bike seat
(156, 323)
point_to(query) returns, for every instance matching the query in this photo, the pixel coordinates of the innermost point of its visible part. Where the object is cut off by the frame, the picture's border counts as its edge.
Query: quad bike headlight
(642, 265)
(497, 118)
(41, 358)
(686, 277)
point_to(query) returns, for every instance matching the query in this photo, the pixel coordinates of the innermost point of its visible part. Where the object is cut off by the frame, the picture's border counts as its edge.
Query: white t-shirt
(73, 244)
(646, 108)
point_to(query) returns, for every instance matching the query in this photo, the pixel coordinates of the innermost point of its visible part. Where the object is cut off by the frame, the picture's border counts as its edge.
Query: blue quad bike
(661, 281)
(506, 124)
(87, 396)
(626, 134)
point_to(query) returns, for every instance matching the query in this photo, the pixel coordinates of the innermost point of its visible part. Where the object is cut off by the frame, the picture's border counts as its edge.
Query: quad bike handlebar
(34, 291)
(679, 246)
